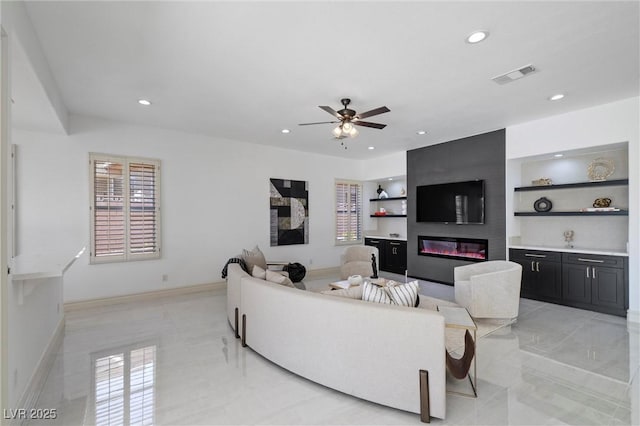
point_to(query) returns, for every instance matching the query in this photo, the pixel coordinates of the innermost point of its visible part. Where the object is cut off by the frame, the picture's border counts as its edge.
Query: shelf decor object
(542, 204)
(541, 182)
(602, 202)
(568, 238)
(600, 169)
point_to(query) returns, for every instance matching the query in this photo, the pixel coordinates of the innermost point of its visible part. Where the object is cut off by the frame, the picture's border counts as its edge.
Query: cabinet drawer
(593, 260)
(528, 255)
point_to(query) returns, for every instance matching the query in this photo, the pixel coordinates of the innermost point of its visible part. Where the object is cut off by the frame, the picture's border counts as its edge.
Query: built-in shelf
(578, 213)
(387, 199)
(614, 182)
(389, 215)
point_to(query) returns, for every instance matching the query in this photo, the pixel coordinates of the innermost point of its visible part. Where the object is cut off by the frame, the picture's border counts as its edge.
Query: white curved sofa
(367, 350)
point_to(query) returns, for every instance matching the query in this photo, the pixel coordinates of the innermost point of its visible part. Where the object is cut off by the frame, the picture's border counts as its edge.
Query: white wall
(32, 325)
(215, 201)
(612, 123)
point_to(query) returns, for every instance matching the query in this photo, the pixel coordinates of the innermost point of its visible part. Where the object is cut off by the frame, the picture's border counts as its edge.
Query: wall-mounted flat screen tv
(457, 202)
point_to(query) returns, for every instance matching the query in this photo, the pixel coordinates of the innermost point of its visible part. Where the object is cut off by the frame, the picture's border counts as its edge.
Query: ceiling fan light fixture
(337, 132)
(353, 132)
(347, 127)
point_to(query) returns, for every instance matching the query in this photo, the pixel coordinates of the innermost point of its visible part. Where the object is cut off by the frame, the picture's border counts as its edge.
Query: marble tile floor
(175, 361)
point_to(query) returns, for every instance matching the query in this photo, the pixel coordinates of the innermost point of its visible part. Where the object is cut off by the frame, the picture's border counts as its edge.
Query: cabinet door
(607, 287)
(380, 244)
(396, 257)
(548, 284)
(529, 278)
(576, 283)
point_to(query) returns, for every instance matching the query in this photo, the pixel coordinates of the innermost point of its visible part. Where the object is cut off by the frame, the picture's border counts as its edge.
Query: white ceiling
(245, 70)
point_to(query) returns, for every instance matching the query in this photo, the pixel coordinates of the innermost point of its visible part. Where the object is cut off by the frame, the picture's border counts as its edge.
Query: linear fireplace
(471, 249)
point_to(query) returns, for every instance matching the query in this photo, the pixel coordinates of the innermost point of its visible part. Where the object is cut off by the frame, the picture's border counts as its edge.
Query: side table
(458, 317)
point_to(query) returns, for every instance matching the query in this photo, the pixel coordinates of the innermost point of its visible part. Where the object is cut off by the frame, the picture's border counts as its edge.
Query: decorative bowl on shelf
(394, 235)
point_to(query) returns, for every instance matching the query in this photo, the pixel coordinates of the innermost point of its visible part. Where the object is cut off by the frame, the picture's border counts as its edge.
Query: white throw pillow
(258, 272)
(373, 293)
(277, 278)
(403, 294)
(254, 257)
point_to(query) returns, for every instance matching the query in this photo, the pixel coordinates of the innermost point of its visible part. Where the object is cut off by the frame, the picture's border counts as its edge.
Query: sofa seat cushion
(354, 292)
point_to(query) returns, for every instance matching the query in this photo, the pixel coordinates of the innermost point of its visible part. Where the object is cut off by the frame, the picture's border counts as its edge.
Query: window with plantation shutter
(348, 212)
(125, 208)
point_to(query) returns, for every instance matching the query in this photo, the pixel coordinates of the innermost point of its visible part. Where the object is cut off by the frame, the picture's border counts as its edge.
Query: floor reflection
(124, 386)
(555, 365)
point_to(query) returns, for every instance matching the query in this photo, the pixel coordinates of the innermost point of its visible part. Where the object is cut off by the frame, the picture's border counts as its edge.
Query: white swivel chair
(356, 260)
(489, 289)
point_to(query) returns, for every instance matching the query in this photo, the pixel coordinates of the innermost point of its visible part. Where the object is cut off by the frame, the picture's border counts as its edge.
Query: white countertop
(573, 250)
(43, 265)
(387, 237)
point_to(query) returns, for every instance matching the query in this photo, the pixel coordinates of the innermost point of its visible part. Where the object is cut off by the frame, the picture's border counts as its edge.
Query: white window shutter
(125, 208)
(348, 212)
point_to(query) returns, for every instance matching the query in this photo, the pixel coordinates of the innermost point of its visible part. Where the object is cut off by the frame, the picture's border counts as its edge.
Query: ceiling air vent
(514, 75)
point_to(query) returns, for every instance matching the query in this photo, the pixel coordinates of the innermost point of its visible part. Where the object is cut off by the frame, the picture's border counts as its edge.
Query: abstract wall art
(289, 212)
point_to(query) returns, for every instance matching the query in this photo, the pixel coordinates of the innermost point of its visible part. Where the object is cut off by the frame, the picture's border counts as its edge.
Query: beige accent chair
(356, 260)
(489, 289)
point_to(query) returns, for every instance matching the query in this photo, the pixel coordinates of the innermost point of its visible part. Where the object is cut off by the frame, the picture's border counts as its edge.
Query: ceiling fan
(348, 118)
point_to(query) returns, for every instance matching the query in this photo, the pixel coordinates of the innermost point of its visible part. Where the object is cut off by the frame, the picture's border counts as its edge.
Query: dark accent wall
(476, 157)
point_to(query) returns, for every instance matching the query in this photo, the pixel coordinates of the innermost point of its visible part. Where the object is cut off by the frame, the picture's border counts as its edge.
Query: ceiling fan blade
(331, 111)
(319, 122)
(373, 112)
(368, 124)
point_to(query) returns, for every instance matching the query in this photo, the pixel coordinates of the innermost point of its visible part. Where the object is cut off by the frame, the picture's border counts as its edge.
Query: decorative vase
(542, 205)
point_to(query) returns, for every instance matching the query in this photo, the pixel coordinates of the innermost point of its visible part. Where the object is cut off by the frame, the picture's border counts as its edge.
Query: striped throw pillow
(373, 293)
(403, 294)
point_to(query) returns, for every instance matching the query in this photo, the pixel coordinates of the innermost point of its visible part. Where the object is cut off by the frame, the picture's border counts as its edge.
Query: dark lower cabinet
(577, 284)
(594, 282)
(541, 274)
(393, 254)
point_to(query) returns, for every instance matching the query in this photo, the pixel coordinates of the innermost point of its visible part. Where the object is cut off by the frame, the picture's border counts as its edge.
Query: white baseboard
(633, 316)
(31, 393)
(93, 303)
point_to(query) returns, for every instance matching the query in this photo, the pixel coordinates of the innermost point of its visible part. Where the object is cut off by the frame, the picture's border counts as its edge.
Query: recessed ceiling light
(477, 36)
(144, 102)
(372, 147)
(558, 155)
(421, 132)
(285, 131)
(556, 97)
(390, 178)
